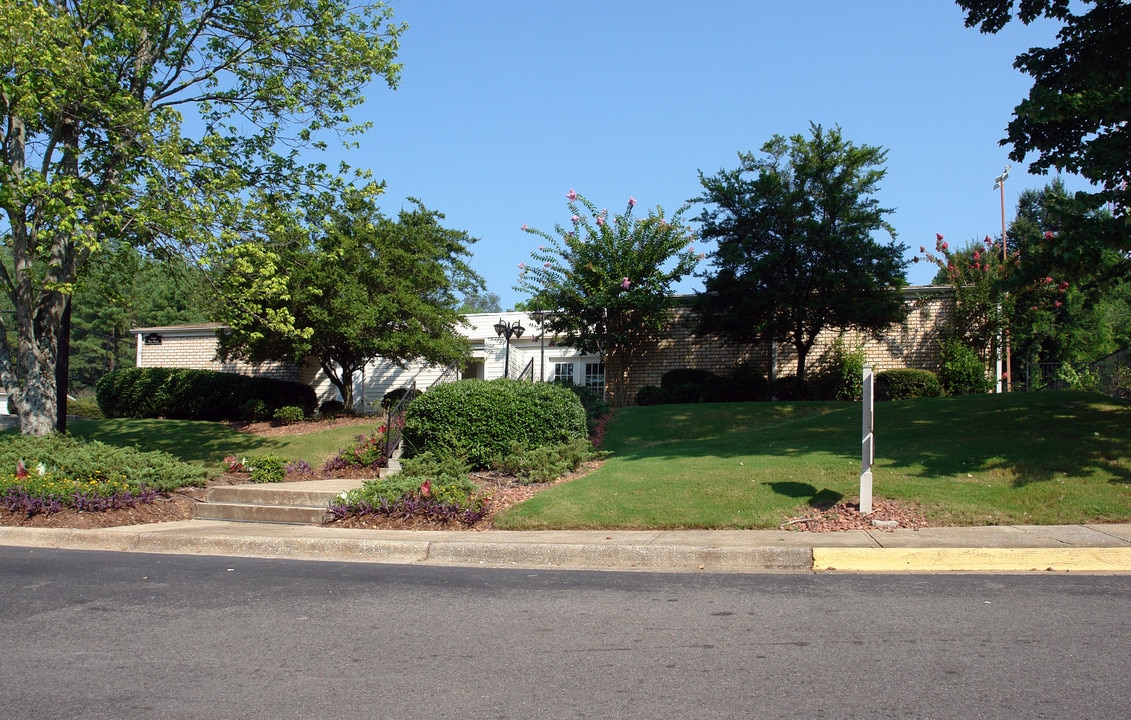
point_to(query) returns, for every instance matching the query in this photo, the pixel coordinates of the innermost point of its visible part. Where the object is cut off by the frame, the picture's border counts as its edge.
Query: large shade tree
(96, 142)
(1076, 119)
(608, 278)
(359, 286)
(796, 252)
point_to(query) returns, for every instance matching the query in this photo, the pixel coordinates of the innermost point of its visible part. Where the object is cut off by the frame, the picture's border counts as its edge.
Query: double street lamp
(508, 330)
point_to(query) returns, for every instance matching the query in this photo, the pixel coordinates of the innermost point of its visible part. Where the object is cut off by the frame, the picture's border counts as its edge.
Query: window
(563, 372)
(595, 375)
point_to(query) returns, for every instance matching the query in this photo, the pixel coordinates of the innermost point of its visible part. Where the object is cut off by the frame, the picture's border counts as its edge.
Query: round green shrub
(289, 415)
(673, 379)
(480, 419)
(331, 408)
(394, 396)
(747, 383)
(788, 388)
(907, 383)
(255, 410)
(84, 409)
(652, 395)
(961, 371)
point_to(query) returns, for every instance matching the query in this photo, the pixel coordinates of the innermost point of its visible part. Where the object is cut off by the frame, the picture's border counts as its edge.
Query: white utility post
(868, 445)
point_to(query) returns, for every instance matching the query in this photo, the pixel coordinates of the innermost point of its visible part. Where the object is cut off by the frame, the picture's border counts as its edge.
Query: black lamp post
(508, 330)
(540, 317)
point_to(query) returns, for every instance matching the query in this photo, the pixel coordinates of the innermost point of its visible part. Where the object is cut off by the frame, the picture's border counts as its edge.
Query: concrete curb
(588, 556)
(935, 560)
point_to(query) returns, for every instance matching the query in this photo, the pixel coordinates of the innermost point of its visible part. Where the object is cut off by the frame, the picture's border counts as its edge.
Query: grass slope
(1042, 458)
(207, 443)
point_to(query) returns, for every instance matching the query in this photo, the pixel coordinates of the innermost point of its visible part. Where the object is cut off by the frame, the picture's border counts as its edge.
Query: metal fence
(1110, 375)
(394, 423)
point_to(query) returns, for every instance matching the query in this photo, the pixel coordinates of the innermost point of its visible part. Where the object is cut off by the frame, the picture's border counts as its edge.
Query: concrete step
(245, 512)
(293, 503)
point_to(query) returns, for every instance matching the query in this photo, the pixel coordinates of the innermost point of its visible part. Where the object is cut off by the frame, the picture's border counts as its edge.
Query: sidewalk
(1011, 549)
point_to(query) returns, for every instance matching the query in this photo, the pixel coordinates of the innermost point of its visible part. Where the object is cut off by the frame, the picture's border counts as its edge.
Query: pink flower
(703, 255)
(600, 221)
(21, 469)
(1047, 280)
(575, 219)
(1062, 286)
(631, 201)
(524, 227)
(1049, 235)
(1034, 307)
(545, 264)
(426, 489)
(945, 246)
(1005, 375)
(626, 283)
(1058, 304)
(571, 195)
(922, 249)
(522, 266)
(938, 237)
(988, 241)
(977, 255)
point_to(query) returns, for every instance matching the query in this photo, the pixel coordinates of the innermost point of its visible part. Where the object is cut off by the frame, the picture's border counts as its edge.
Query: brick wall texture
(199, 352)
(911, 344)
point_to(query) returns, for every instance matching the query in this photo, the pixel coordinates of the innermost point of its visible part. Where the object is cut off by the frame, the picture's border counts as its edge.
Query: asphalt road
(115, 635)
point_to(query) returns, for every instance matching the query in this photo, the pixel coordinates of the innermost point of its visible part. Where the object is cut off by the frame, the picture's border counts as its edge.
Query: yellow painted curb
(1116, 559)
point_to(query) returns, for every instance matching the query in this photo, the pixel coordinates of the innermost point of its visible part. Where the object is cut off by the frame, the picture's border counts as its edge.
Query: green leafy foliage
(365, 451)
(610, 279)
(432, 484)
(265, 468)
(842, 375)
(362, 286)
(545, 463)
(1075, 120)
(68, 462)
(84, 408)
(95, 144)
(394, 396)
(194, 394)
(907, 384)
(591, 399)
(961, 371)
(288, 415)
(796, 253)
(479, 420)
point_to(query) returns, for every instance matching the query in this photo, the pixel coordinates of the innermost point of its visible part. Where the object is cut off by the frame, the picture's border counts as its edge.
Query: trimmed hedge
(183, 394)
(480, 419)
(680, 377)
(905, 384)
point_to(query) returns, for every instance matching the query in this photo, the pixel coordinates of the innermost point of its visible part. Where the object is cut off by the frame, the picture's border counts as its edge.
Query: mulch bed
(846, 516)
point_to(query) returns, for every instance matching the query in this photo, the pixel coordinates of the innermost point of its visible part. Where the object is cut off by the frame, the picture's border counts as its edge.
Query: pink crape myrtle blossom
(631, 201)
(571, 195)
(626, 283)
(575, 219)
(524, 228)
(600, 221)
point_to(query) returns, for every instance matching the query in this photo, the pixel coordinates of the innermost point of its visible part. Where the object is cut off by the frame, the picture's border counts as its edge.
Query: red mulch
(846, 516)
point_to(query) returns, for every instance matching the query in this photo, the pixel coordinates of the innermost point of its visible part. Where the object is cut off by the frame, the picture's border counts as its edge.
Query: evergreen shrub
(961, 371)
(907, 383)
(480, 419)
(184, 394)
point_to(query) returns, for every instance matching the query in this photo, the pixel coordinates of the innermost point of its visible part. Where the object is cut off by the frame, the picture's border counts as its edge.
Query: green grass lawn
(207, 443)
(1041, 458)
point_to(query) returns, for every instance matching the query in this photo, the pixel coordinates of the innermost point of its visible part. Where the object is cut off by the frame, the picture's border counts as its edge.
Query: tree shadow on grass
(819, 499)
(201, 443)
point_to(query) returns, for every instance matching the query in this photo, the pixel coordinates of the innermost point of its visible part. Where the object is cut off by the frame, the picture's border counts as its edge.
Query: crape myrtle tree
(796, 250)
(95, 144)
(358, 286)
(609, 278)
(1076, 119)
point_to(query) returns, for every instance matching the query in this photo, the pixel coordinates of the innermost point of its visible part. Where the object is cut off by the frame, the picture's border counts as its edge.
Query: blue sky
(503, 106)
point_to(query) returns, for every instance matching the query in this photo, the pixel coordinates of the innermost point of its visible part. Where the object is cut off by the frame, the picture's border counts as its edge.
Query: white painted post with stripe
(868, 447)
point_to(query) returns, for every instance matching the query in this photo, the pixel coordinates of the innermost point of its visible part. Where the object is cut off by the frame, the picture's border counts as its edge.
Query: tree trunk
(342, 379)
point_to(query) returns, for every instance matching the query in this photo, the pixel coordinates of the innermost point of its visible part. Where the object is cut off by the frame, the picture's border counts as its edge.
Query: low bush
(183, 394)
(652, 395)
(84, 409)
(479, 419)
(545, 463)
(288, 415)
(961, 371)
(747, 383)
(788, 388)
(366, 451)
(434, 486)
(47, 474)
(841, 377)
(265, 468)
(679, 377)
(591, 399)
(394, 396)
(255, 410)
(906, 384)
(332, 408)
